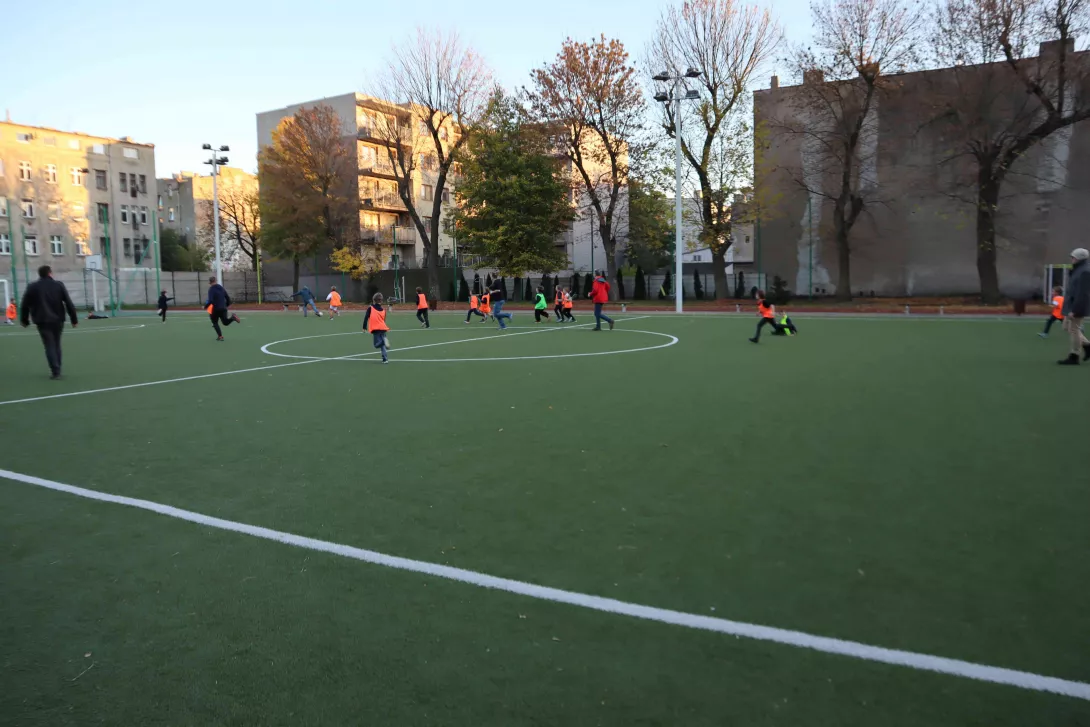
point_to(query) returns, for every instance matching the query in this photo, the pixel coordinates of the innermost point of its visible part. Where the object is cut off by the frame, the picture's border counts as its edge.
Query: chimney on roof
(775, 82)
(814, 76)
(1051, 48)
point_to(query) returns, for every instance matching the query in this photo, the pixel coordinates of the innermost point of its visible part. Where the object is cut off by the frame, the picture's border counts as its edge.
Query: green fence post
(257, 257)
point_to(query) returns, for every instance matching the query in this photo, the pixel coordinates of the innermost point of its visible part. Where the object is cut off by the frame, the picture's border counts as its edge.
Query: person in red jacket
(599, 293)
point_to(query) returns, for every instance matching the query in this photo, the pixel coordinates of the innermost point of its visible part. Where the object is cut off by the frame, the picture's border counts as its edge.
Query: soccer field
(877, 522)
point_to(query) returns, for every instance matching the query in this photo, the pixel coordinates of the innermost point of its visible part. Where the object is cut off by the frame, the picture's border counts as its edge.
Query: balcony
(367, 132)
(387, 201)
(377, 168)
(389, 235)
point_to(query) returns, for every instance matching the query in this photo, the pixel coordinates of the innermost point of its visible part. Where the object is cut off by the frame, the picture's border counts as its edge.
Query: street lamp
(677, 93)
(215, 162)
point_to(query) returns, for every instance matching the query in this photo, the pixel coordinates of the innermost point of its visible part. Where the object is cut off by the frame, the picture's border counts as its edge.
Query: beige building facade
(66, 195)
(184, 204)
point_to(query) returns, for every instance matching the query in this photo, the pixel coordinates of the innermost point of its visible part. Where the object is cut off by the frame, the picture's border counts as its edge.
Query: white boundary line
(857, 650)
(69, 331)
(266, 368)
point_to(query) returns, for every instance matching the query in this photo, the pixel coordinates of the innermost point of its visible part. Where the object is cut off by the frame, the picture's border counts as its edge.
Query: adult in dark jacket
(164, 299)
(1077, 306)
(46, 302)
(217, 303)
(307, 298)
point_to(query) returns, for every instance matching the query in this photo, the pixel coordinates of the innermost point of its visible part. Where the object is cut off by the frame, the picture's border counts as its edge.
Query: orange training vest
(421, 301)
(486, 303)
(11, 311)
(377, 320)
(567, 301)
(559, 298)
(335, 299)
(1057, 306)
(765, 309)
(473, 304)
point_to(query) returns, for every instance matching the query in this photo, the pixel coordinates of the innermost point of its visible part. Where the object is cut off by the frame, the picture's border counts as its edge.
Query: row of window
(136, 182)
(25, 137)
(130, 246)
(129, 213)
(427, 193)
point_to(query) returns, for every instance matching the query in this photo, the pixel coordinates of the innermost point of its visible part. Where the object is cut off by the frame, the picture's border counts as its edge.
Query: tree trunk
(253, 261)
(294, 273)
(433, 271)
(986, 206)
(719, 262)
(844, 258)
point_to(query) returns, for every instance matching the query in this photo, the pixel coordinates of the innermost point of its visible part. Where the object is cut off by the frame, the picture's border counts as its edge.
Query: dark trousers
(163, 313)
(559, 310)
(422, 316)
(474, 312)
(776, 327)
(219, 315)
(1051, 319)
(540, 313)
(51, 339)
(567, 314)
(599, 316)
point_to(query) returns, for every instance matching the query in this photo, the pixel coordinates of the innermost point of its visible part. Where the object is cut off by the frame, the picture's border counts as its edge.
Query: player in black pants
(163, 300)
(217, 303)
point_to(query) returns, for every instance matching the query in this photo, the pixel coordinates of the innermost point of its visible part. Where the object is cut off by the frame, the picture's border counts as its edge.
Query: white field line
(69, 331)
(866, 652)
(267, 368)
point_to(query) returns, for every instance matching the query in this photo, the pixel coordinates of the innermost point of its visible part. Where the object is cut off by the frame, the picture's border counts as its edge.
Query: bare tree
(857, 46)
(438, 89)
(995, 104)
(240, 215)
(590, 100)
(728, 42)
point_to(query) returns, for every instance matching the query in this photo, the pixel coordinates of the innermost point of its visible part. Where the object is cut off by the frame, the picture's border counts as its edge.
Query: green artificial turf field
(912, 484)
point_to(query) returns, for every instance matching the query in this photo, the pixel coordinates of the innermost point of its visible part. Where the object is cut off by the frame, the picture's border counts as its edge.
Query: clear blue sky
(178, 74)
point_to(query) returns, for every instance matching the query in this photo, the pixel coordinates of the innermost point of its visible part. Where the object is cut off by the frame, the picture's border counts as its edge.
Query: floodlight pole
(215, 163)
(679, 244)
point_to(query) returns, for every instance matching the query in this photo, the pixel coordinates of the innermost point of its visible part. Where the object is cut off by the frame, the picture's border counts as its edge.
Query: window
(5, 244)
(427, 224)
(82, 248)
(104, 245)
(28, 208)
(98, 148)
(3, 207)
(1, 167)
(443, 133)
(51, 173)
(78, 212)
(124, 179)
(160, 202)
(143, 184)
(100, 179)
(50, 141)
(103, 213)
(124, 214)
(131, 153)
(427, 192)
(54, 210)
(446, 196)
(24, 171)
(24, 138)
(143, 215)
(132, 184)
(30, 245)
(73, 144)
(56, 246)
(170, 214)
(77, 176)
(423, 129)
(127, 245)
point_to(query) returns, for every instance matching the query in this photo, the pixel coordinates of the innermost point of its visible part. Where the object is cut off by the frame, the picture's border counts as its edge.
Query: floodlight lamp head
(221, 161)
(692, 73)
(225, 148)
(661, 97)
(692, 94)
(664, 76)
(206, 146)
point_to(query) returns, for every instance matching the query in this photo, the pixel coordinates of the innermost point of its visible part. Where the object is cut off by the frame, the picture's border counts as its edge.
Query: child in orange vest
(486, 305)
(767, 312)
(422, 308)
(1057, 310)
(475, 309)
(558, 304)
(568, 304)
(374, 321)
(334, 299)
(11, 313)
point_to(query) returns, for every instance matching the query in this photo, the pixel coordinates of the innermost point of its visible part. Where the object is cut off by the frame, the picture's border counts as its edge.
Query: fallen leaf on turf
(87, 655)
(555, 639)
(861, 572)
(522, 615)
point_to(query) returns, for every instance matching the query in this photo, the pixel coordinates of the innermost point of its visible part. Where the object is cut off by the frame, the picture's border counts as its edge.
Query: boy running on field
(541, 306)
(11, 313)
(475, 308)
(767, 312)
(486, 305)
(558, 304)
(422, 308)
(334, 299)
(1057, 310)
(374, 321)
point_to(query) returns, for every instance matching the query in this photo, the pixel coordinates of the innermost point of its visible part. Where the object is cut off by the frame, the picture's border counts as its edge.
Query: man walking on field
(46, 302)
(1076, 306)
(599, 293)
(217, 304)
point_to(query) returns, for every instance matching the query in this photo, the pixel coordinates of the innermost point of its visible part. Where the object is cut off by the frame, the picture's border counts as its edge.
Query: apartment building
(184, 201)
(371, 124)
(65, 195)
